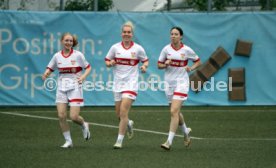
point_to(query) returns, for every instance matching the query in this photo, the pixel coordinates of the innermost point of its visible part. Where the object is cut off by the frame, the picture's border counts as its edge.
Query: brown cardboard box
(220, 57)
(237, 93)
(243, 48)
(238, 76)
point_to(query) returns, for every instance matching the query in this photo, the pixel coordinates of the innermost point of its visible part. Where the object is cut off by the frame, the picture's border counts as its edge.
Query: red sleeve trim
(106, 59)
(196, 60)
(88, 66)
(145, 60)
(50, 69)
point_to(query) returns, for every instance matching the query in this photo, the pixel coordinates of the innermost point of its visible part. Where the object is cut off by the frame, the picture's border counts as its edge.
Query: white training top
(179, 59)
(69, 68)
(126, 70)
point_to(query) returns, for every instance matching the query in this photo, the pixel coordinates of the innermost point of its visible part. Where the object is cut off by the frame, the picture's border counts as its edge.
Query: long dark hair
(179, 29)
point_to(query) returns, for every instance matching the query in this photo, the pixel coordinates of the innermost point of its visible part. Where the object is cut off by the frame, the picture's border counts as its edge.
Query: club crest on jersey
(182, 56)
(73, 62)
(133, 54)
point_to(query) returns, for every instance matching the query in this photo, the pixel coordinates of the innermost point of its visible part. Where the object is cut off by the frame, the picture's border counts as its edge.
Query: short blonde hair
(75, 39)
(128, 24)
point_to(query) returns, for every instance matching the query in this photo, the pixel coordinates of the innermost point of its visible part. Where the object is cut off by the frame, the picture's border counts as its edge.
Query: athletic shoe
(117, 145)
(85, 131)
(166, 145)
(130, 132)
(187, 139)
(68, 144)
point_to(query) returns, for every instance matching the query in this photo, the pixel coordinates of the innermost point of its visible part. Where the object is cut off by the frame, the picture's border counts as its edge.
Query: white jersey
(69, 68)
(126, 70)
(175, 72)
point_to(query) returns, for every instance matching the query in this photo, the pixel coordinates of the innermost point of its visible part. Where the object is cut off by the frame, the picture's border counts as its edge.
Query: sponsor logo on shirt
(70, 70)
(130, 62)
(179, 63)
(74, 70)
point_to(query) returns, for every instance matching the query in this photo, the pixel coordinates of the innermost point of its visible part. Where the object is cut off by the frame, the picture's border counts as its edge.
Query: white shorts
(125, 94)
(73, 97)
(177, 92)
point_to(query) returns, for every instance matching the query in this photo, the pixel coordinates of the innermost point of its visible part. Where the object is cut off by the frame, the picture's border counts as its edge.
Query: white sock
(170, 137)
(120, 138)
(128, 124)
(83, 125)
(67, 136)
(184, 128)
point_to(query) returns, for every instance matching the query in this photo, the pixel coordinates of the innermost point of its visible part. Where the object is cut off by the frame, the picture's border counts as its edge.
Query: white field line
(161, 111)
(141, 130)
